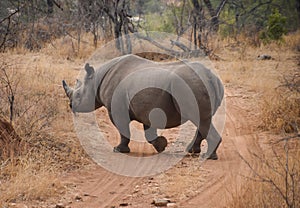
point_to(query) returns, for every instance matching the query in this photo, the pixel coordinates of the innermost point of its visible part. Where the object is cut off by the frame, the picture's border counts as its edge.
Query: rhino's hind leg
(213, 142)
(206, 130)
(158, 142)
(195, 145)
(123, 146)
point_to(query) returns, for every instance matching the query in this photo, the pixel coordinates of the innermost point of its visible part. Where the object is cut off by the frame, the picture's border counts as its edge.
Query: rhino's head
(83, 96)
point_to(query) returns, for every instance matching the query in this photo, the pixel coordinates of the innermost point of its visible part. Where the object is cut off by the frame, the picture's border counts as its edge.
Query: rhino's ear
(68, 90)
(89, 70)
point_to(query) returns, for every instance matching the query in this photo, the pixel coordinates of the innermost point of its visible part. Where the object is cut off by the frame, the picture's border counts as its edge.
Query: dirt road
(190, 183)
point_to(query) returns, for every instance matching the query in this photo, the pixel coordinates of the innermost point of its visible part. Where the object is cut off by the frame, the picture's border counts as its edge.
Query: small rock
(60, 205)
(15, 205)
(78, 198)
(172, 205)
(161, 202)
(136, 189)
(264, 57)
(124, 204)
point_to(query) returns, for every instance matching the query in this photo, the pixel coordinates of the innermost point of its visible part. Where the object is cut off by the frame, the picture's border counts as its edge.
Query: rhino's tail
(219, 94)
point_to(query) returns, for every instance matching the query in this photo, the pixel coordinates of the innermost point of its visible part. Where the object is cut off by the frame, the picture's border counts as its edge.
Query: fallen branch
(186, 53)
(180, 45)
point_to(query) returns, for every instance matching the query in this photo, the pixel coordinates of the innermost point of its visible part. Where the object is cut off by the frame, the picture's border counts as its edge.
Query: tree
(276, 27)
(201, 25)
(251, 17)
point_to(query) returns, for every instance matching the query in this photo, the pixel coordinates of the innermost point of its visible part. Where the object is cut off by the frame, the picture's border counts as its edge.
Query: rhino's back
(206, 86)
(133, 74)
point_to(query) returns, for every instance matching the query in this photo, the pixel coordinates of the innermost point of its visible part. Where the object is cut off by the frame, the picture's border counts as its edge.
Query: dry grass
(279, 107)
(29, 180)
(70, 48)
(42, 119)
(275, 177)
(279, 111)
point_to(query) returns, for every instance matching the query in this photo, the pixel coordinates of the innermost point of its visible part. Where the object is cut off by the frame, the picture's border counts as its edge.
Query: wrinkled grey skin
(133, 88)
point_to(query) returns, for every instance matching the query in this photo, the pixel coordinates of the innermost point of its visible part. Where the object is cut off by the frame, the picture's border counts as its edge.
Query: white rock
(172, 205)
(161, 202)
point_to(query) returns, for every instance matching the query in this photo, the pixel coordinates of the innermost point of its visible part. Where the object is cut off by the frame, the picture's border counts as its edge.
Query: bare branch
(263, 178)
(220, 8)
(10, 15)
(289, 138)
(265, 162)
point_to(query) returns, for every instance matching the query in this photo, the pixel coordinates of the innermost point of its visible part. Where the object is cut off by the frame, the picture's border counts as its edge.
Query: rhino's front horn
(68, 90)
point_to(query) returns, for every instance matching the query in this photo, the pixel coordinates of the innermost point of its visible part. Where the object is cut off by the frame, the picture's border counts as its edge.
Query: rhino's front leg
(158, 142)
(123, 128)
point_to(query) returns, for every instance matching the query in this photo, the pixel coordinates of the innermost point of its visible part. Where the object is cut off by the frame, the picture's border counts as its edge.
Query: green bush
(276, 27)
(159, 22)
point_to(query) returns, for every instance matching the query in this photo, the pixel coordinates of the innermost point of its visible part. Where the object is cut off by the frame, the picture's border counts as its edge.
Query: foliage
(251, 17)
(32, 24)
(276, 27)
(151, 6)
(227, 29)
(159, 22)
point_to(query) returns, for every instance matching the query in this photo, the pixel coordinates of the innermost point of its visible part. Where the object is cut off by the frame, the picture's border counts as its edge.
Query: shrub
(276, 27)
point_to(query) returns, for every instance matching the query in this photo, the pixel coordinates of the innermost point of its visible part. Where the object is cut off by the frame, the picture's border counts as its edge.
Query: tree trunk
(298, 9)
(214, 19)
(210, 8)
(50, 5)
(127, 37)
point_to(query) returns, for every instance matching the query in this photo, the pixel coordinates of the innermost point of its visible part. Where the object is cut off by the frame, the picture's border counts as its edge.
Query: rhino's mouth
(71, 106)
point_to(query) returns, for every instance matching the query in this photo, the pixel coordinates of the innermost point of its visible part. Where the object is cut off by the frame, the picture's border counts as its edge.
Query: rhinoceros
(158, 95)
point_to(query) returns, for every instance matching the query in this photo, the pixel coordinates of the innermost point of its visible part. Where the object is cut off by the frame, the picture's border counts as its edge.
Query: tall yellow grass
(275, 177)
(279, 112)
(29, 180)
(42, 118)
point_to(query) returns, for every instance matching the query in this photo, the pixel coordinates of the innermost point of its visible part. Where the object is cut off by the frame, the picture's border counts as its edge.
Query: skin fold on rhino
(158, 95)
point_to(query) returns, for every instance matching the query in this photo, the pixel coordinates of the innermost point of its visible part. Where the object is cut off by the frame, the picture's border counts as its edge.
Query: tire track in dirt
(228, 173)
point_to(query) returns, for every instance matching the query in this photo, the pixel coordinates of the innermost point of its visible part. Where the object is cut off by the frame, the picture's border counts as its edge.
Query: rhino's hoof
(195, 150)
(160, 144)
(213, 156)
(121, 149)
